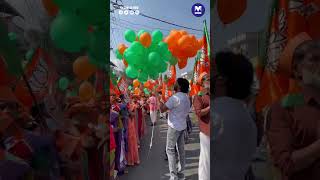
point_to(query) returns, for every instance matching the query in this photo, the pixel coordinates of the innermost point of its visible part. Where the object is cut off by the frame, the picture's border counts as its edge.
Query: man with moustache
(294, 128)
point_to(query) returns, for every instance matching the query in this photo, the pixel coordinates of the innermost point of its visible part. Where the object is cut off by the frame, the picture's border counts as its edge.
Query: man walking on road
(178, 106)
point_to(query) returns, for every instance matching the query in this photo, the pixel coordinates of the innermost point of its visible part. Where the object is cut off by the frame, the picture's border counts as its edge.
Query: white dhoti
(153, 116)
(204, 160)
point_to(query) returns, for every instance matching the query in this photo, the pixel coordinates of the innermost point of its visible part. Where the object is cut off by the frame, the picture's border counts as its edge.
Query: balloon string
(151, 140)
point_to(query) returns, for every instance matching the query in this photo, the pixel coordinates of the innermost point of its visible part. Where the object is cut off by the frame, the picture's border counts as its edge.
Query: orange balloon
(52, 9)
(173, 31)
(200, 43)
(147, 84)
(194, 52)
(136, 83)
(189, 51)
(122, 48)
(172, 43)
(183, 32)
(182, 63)
(86, 91)
(145, 39)
(185, 40)
(180, 54)
(137, 91)
(82, 68)
(193, 37)
(227, 16)
(176, 35)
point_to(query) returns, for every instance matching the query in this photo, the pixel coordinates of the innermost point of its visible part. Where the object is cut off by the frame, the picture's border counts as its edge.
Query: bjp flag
(289, 20)
(172, 74)
(194, 86)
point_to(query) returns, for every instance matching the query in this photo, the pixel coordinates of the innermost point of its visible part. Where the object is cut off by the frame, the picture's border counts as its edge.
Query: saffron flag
(41, 77)
(288, 19)
(172, 75)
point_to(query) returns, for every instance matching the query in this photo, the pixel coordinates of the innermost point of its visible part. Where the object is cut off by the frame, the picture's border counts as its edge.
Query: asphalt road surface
(155, 167)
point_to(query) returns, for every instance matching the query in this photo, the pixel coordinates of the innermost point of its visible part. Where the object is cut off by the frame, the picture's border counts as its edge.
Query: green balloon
(167, 56)
(133, 58)
(157, 36)
(72, 93)
(118, 55)
(163, 47)
(29, 54)
(173, 61)
(92, 12)
(143, 77)
(139, 67)
(131, 72)
(69, 32)
(154, 76)
(63, 83)
(154, 59)
(163, 67)
(130, 36)
(97, 46)
(67, 5)
(12, 36)
(137, 48)
(153, 48)
(129, 56)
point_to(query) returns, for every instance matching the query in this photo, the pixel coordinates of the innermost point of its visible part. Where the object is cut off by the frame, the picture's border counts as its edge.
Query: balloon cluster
(83, 70)
(80, 25)
(147, 56)
(183, 46)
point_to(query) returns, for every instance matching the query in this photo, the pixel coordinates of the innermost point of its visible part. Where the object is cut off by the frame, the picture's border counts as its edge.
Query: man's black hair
(238, 72)
(183, 84)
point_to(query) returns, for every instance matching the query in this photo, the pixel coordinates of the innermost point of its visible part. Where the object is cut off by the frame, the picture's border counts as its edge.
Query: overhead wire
(163, 21)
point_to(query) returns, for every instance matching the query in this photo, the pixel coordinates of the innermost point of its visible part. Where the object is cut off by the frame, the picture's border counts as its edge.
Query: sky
(254, 19)
(175, 11)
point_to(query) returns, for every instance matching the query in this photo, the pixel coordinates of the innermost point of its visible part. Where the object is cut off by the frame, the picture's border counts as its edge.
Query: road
(155, 167)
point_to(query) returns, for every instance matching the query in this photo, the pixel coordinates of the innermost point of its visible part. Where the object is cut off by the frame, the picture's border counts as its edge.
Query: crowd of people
(128, 122)
(129, 117)
(38, 144)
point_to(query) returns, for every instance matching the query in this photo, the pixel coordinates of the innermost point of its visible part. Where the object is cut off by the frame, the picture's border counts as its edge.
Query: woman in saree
(112, 154)
(140, 118)
(133, 153)
(118, 135)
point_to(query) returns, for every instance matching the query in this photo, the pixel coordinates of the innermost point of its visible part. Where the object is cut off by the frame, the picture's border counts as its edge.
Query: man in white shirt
(178, 106)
